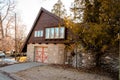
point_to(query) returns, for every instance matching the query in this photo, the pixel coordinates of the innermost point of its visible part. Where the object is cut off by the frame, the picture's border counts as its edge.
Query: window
(38, 33)
(47, 33)
(41, 33)
(35, 34)
(52, 33)
(55, 33)
(62, 30)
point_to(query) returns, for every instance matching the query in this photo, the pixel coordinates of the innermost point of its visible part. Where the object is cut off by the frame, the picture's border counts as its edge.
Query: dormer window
(55, 33)
(38, 33)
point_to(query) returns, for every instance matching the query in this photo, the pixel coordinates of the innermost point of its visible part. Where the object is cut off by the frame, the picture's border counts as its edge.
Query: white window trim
(48, 37)
(38, 33)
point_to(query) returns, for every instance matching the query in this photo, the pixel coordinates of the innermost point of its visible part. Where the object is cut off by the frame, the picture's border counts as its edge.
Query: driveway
(4, 76)
(19, 67)
(39, 71)
(58, 73)
(7, 73)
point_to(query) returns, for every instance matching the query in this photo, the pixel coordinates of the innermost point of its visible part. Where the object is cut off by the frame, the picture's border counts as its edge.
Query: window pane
(38, 33)
(51, 33)
(41, 33)
(35, 34)
(47, 33)
(62, 32)
(56, 32)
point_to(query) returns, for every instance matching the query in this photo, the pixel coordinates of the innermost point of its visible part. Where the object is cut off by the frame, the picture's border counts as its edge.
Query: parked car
(5, 59)
(8, 61)
(2, 54)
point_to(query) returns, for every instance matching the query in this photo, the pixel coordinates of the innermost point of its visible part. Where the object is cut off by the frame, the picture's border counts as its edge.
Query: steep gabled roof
(24, 47)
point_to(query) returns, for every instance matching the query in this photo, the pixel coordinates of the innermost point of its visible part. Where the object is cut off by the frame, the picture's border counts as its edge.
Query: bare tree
(20, 36)
(6, 10)
(10, 38)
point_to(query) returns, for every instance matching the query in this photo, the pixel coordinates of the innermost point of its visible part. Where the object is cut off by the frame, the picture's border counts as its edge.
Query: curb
(15, 77)
(12, 76)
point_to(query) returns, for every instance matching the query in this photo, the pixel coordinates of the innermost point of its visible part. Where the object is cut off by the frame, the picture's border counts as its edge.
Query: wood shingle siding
(44, 20)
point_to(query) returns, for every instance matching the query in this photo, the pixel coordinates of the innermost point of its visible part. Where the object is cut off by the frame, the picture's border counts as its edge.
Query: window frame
(55, 30)
(38, 33)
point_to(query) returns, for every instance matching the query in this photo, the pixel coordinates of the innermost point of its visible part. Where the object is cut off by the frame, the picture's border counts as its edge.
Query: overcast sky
(28, 9)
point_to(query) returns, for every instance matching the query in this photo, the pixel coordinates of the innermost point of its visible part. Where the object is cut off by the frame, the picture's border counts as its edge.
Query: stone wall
(30, 52)
(55, 52)
(110, 61)
(85, 60)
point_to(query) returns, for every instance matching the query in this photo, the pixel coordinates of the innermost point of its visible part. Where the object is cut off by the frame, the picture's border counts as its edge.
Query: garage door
(41, 54)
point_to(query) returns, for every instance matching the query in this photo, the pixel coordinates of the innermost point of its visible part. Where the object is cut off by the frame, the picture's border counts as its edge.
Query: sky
(28, 9)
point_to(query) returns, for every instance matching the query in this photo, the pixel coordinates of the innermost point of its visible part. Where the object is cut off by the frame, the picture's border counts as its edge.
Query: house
(47, 39)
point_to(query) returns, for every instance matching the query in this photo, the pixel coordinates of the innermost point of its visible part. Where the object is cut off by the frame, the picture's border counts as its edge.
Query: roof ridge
(51, 14)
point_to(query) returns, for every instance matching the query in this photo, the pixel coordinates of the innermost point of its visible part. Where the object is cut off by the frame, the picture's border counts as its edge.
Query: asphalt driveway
(19, 67)
(4, 76)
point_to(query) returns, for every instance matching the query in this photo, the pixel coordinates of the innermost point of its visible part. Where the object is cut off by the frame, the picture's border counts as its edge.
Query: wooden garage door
(41, 54)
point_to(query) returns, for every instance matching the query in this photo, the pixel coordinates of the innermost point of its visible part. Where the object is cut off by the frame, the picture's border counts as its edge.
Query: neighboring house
(46, 40)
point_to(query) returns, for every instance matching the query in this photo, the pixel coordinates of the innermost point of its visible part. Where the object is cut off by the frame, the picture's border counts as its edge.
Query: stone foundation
(55, 52)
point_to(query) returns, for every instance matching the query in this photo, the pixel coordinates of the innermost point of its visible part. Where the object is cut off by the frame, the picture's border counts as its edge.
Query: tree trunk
(98, 61)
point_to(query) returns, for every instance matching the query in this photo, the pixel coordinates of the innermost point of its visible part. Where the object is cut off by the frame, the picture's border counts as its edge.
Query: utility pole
(15, 39)
(1, 27)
